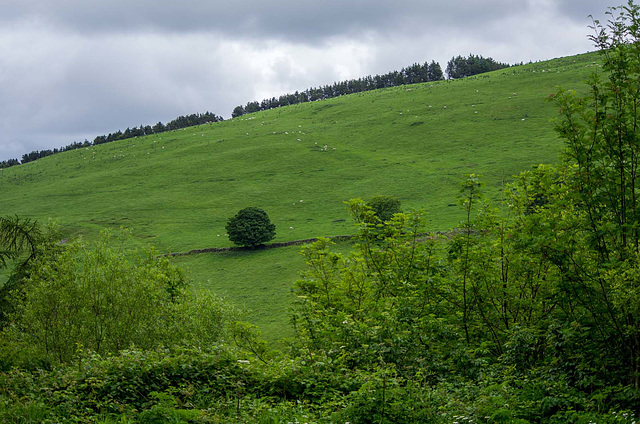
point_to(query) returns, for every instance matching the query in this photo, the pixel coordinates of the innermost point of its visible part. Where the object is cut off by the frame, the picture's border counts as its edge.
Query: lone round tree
(250, 227)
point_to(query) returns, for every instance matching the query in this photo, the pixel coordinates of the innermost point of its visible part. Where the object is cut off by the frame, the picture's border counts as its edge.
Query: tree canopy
(105, 297)
(385, 206)
(460, 67)
(250, 227)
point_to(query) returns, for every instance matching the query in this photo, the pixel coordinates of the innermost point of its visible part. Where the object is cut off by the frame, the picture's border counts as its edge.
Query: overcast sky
(74, 69)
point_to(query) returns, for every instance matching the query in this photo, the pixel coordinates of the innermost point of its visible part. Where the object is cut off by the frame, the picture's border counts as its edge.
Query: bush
(385, 206)
(104, 297)
(250, 227)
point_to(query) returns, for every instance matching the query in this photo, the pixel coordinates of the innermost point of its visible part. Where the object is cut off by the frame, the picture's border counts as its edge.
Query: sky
(71, 70)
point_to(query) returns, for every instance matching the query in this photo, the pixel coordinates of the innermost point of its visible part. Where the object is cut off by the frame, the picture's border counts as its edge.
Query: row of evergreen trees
(178, 123)
(460, 67)
(413, 74)
(457, 67)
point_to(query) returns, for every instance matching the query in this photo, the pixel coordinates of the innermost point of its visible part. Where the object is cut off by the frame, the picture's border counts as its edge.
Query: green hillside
(300, 163)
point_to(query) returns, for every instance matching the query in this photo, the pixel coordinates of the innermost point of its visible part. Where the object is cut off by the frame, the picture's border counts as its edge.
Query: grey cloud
(305, 21)
(579, 11)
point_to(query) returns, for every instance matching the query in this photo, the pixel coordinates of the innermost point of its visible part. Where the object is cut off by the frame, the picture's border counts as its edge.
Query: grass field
(300, 163)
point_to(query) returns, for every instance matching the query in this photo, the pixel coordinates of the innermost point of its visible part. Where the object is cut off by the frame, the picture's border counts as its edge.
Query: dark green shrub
(385, 206)
(167, 410)
(387, 398)
(250, 227)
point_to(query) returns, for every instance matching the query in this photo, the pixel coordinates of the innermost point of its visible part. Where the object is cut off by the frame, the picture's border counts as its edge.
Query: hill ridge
(430, 134)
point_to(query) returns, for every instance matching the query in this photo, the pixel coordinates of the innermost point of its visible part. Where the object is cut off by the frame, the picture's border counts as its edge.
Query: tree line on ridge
(457, 67)
(142, 130)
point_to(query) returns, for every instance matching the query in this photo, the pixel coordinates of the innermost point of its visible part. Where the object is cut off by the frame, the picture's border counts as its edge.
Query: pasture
(300, 163)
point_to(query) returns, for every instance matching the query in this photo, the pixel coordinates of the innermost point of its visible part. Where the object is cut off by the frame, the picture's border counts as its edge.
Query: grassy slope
(176, 190)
